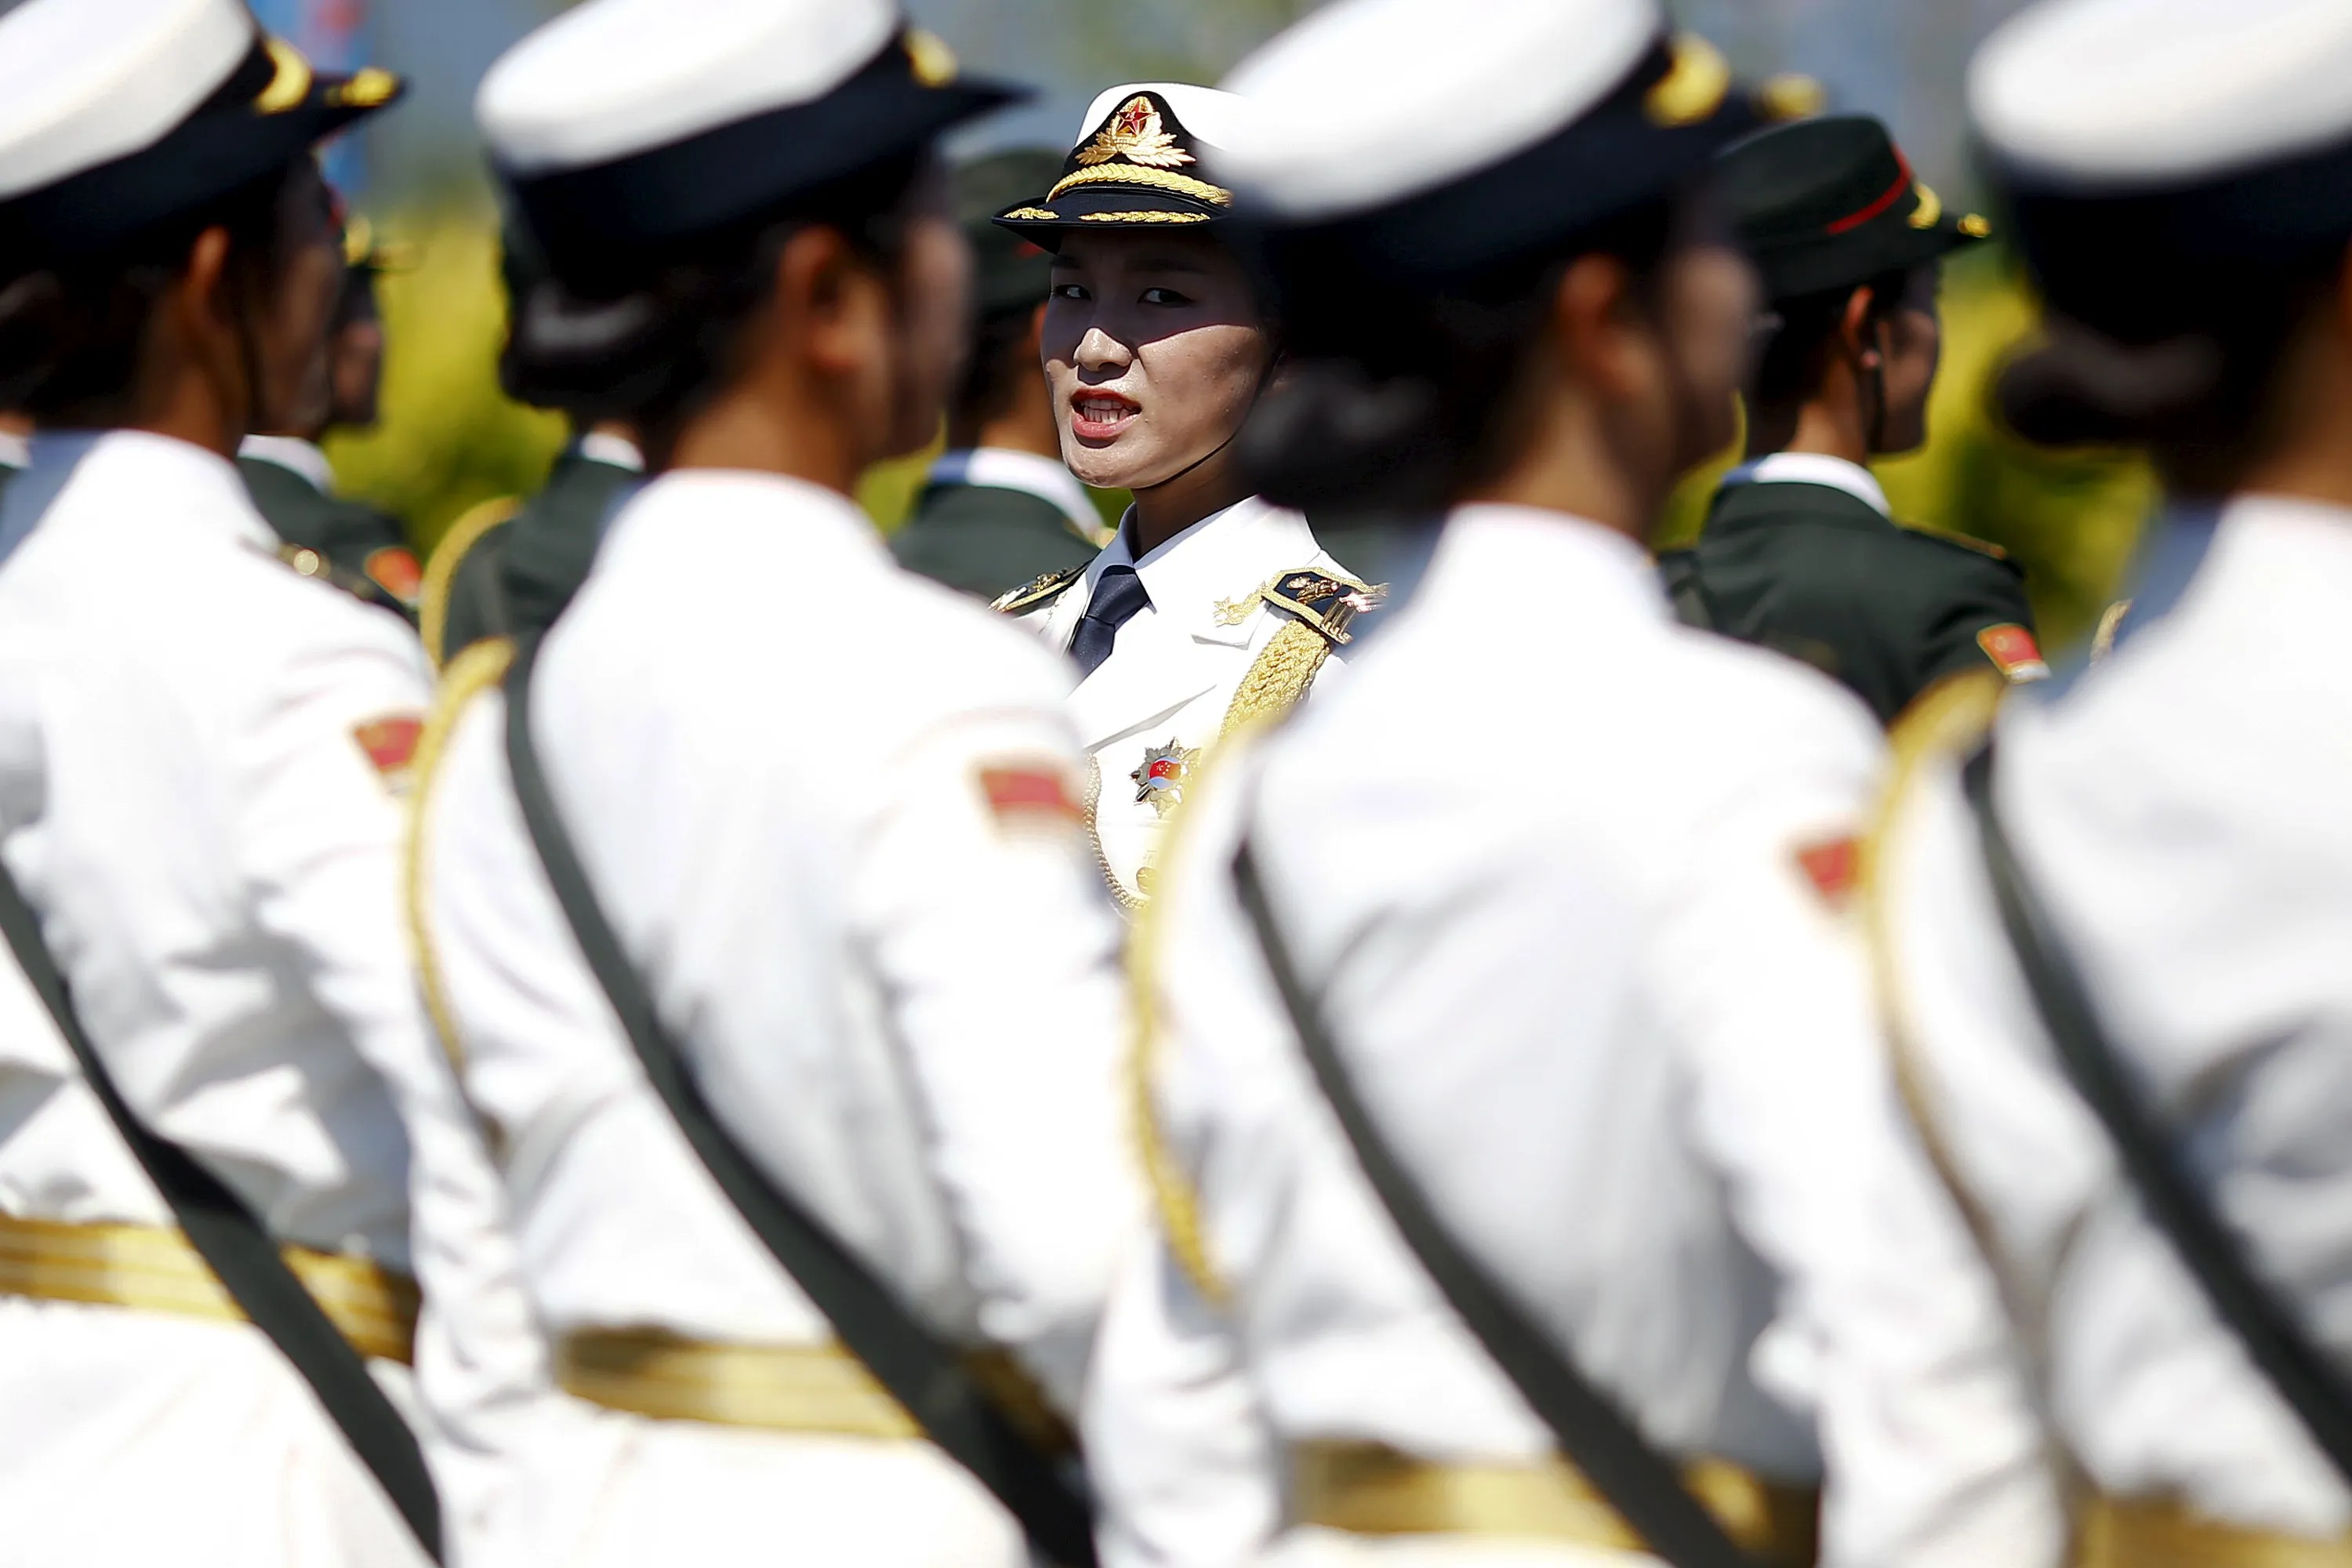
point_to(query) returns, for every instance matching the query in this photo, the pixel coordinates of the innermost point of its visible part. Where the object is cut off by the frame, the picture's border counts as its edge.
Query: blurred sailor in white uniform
(827, 811)
(1589, 979)
(2170, 822)
(1210, 607)
(203, 748)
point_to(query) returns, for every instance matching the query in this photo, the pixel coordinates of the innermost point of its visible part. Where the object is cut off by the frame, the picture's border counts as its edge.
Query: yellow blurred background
(449, 439)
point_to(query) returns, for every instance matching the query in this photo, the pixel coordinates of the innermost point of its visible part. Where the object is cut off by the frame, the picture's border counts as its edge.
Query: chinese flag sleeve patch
(1028, 793)
(2014, 651)
(1831, 866)
(390, 745)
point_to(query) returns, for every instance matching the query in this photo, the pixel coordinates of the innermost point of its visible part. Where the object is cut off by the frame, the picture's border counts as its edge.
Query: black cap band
(272, 109)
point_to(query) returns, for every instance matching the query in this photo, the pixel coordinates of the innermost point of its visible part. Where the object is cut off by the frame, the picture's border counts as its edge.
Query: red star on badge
(1135, 117)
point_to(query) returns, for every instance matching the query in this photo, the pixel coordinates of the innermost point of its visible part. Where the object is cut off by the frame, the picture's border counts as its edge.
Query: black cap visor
(272, 111)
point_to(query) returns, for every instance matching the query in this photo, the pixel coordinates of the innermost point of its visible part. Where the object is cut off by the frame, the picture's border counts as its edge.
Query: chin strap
(1264, 379)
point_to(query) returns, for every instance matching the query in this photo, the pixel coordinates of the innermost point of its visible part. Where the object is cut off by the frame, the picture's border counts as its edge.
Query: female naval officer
(203, 748)
(1585, 979)
(826, 811)
(2170, 821)
(1210, 607)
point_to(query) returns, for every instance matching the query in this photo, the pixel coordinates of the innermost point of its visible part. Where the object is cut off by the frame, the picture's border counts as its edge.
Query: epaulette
(1038, 590)
(1326, 602)
(1983, 547)
(306, 561)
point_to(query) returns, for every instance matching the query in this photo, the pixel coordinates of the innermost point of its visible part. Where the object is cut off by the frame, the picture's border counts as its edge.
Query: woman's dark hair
(649, 336)
(1396, 395)
(72, 330)
(1797, 354)
(2184, 358)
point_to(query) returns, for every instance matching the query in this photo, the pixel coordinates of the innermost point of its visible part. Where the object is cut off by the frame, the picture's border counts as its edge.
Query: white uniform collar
(16, 452)
(615, 451)
(1220, 558)
(1005, 468)
(294, 455)
(1814, 469)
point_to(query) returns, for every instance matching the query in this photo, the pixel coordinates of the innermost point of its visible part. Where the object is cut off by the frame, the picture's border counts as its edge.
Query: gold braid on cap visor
(1154, 179)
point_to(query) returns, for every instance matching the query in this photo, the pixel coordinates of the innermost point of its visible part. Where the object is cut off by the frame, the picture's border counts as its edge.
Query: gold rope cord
(1153, 179)
(1173, 1191)
(1944, 721)
(441, 569)
(1277, 679)
(476, 670)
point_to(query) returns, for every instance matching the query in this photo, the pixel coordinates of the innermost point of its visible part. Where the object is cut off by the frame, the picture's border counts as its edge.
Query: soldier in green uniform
(999, 508)
(1800, 551)
(363, 549)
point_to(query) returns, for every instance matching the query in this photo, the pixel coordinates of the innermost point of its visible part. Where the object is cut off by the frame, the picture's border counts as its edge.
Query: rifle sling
(920, 1371)
(1613, 1455)
(2277, 1344)
(236, 1246)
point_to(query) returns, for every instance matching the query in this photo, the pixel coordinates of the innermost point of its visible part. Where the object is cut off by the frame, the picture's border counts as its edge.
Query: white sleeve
(319, 842)
(976, 904)
(1180, 1452)
(1889, 1326)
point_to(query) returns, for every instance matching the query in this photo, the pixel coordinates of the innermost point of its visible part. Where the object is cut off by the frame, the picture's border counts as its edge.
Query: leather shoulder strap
(1638, 1480)
(923, 1373)
(2312, 1385)
(242, 1253)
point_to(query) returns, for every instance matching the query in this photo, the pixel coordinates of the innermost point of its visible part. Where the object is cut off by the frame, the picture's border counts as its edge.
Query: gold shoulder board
(1036, 591)
(1326, 602)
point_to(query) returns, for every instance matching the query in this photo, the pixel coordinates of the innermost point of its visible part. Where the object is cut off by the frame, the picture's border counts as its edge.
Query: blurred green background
(448, 440)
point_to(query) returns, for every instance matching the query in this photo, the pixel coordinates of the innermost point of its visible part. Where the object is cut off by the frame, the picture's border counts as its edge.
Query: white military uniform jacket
(200, 758)
(1149, 714)
(1589, 987)
(830, 809)
(2181, 809)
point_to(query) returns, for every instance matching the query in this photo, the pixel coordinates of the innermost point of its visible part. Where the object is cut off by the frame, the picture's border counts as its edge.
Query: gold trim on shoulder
(441, 568)
(1152, 179)
(475, 671)
(1036, 591)
(1693, 87)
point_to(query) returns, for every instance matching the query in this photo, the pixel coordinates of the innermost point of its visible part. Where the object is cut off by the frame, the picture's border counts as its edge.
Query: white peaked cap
(613, 78)
(1368, 102)
(2163, 92)
(83, 82)
(1220, 120)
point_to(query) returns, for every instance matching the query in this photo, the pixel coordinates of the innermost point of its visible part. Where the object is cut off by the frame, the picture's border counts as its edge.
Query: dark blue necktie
(1118, 595)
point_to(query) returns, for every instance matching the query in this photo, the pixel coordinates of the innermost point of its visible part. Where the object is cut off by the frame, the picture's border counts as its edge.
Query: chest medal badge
(1161, 780)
